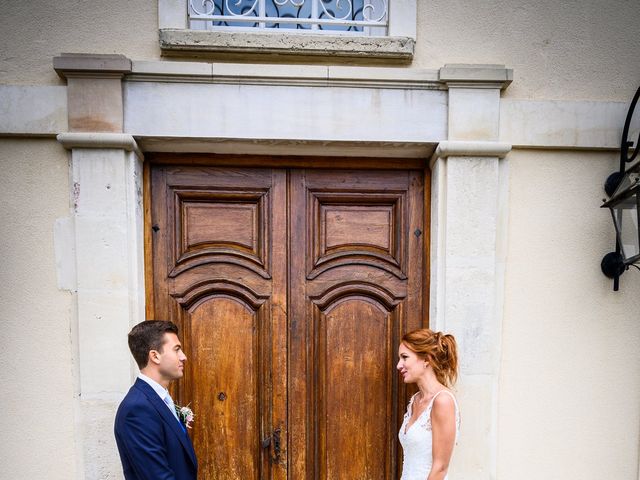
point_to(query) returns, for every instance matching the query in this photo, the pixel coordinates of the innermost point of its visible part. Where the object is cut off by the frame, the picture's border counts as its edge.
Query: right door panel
(356, 286)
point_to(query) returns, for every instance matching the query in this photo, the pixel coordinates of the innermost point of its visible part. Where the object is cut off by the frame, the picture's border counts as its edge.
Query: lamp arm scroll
(624, 143)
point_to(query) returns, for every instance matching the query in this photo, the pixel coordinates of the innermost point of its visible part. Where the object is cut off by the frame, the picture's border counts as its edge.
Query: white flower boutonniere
(185, 414)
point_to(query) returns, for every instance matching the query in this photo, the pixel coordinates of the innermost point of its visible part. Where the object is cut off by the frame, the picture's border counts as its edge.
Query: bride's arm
(443, 429)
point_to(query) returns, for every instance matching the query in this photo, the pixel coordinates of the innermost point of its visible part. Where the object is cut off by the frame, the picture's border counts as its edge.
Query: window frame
(398, 45)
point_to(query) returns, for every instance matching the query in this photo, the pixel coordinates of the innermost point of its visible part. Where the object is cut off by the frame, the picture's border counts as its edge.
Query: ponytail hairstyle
(439, 349)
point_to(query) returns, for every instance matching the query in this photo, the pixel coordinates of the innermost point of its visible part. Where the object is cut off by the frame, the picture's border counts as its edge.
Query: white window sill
(175, 41)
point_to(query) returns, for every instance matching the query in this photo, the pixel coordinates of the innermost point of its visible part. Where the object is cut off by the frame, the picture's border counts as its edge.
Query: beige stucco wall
(33, 32)
(558, 50)
(577, 49)
(36, 398)
(570, 388)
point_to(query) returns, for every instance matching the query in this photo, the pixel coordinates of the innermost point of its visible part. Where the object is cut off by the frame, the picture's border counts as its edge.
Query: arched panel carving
(379, 296)
(214, 231)
(225, 379)
(214, 226)
(356, 228)
(195, 294)
(354, 348)
(209, 257)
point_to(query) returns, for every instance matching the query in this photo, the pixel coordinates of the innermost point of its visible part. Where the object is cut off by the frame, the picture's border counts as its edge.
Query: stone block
(280, 43)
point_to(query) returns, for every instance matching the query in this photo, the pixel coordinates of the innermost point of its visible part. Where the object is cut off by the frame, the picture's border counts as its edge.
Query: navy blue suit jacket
(151, 442)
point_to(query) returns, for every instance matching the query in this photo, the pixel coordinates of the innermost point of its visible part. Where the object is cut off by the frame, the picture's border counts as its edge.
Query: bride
(431, 424)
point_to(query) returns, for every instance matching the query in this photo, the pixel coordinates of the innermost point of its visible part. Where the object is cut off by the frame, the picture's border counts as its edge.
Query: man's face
(171, 358)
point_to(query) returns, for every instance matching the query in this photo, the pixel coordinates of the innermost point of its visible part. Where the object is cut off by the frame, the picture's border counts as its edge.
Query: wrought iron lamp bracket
(613, 264)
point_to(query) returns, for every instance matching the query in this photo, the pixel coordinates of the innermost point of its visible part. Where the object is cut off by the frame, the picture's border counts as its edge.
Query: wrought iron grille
(363, 17)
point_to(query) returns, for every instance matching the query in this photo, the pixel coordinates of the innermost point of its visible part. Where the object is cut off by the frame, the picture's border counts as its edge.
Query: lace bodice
(416, 441)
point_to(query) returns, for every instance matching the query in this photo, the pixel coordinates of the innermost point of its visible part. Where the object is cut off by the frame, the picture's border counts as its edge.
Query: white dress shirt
(162, 392)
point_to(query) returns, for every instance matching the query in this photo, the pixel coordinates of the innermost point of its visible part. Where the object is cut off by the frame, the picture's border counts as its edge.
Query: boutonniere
(185, 414)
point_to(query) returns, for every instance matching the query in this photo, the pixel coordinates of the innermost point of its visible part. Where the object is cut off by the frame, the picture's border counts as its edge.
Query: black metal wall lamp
(623, 189)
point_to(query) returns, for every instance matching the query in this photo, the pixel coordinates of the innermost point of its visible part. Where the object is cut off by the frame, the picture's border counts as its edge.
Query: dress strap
(455, 402)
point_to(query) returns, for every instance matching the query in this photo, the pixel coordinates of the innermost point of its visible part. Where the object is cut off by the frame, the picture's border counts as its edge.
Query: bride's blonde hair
(439, 349)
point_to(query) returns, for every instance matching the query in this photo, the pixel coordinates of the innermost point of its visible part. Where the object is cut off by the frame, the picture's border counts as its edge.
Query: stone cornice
(99, 140)
(294, 75)
(457, 148)
(476, 76)
(91, 65)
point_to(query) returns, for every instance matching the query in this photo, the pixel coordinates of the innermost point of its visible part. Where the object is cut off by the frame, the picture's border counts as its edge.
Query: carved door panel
(219, 268)
(356, 288)
(291, 289)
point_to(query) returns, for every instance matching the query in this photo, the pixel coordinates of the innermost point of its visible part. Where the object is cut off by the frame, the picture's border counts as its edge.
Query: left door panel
(220, 273)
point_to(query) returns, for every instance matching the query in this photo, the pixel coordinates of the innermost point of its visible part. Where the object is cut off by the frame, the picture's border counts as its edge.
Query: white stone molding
(565, 124)
(267, 113)
(94, 90)
(285, 75)
(102, 140)
(468, 212)
(474, 100)
(33, 110)
(476, 75)
(107, 225)
(459, 148)
(474, 113)
(468, 215)
(86, 65)
(307, 148)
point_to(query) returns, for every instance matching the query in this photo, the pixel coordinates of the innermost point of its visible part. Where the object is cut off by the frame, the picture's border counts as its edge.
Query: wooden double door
(291, 288)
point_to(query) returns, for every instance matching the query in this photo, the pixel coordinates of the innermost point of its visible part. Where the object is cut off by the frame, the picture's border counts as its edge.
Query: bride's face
(410, 366)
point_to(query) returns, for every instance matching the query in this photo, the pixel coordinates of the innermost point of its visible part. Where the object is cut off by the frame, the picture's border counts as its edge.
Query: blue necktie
(169, 401)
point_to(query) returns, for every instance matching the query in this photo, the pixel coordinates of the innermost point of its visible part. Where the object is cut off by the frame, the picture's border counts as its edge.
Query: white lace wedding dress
(416, 441)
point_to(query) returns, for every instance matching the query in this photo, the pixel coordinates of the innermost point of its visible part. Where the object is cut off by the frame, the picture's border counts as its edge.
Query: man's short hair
(147, 336)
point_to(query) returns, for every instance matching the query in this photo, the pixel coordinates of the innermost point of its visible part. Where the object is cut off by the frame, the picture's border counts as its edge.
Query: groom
(152, 441)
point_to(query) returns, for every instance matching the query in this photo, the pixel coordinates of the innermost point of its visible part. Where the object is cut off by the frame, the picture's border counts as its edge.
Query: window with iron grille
(354, 17)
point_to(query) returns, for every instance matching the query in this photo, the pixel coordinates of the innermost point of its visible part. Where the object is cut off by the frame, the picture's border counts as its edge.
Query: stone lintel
(179, 41)
(91, 65)
(99, 140)
(476, 76)
(308, 148)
